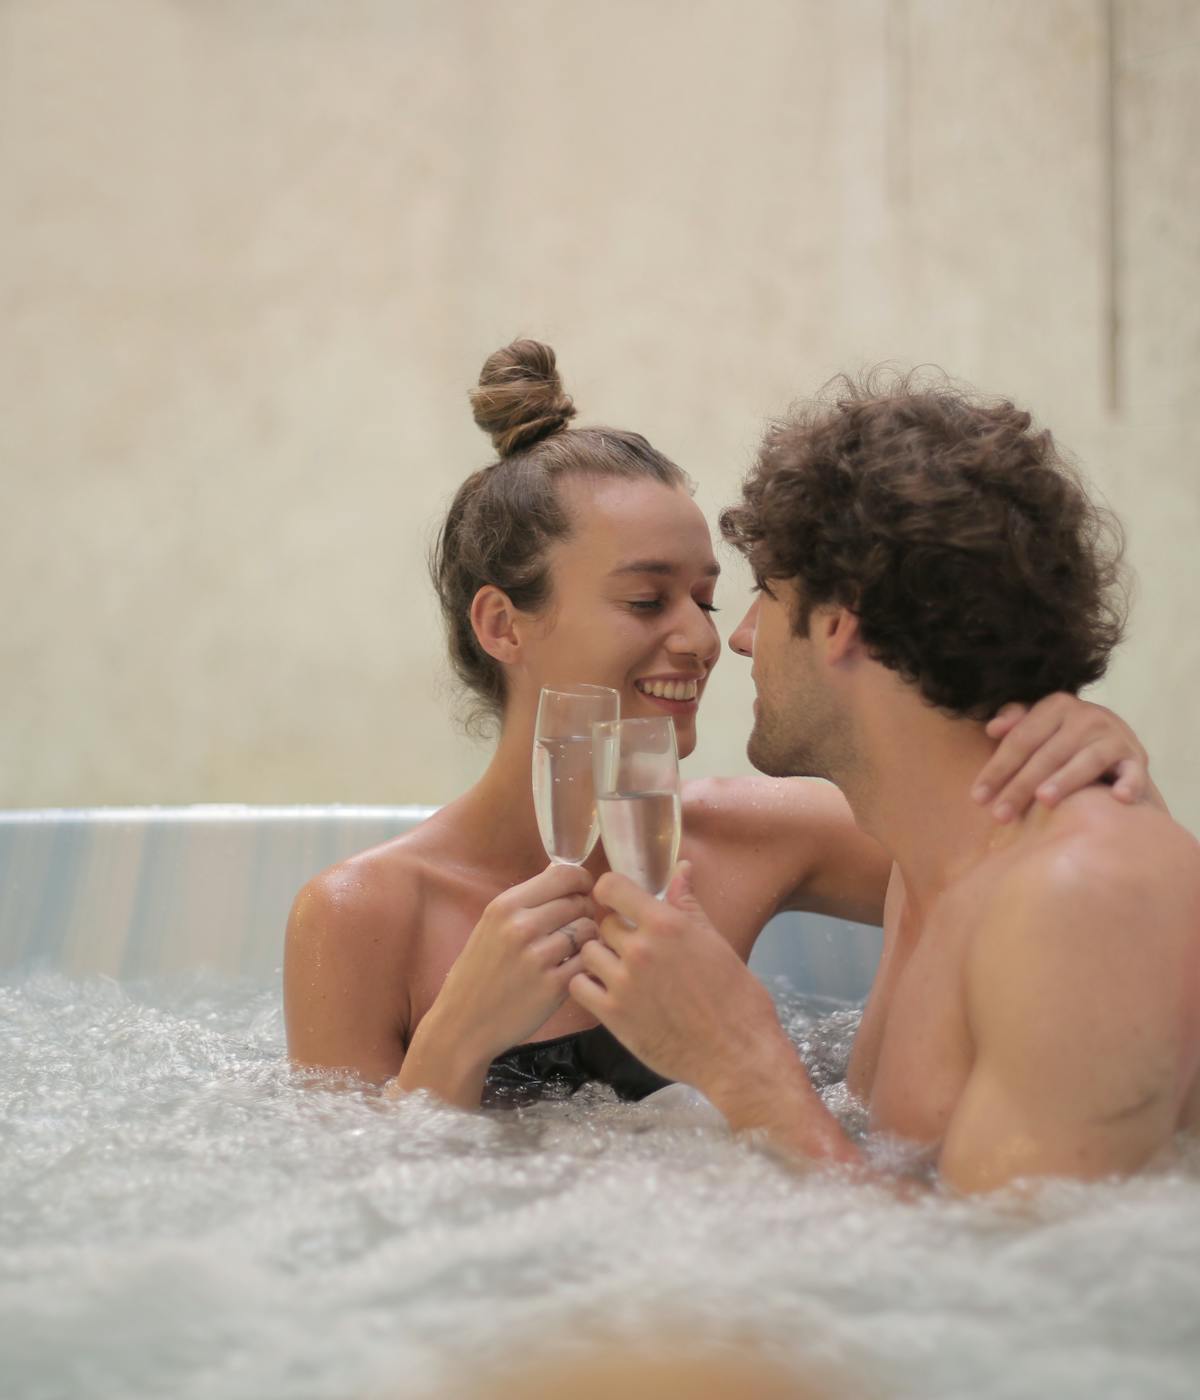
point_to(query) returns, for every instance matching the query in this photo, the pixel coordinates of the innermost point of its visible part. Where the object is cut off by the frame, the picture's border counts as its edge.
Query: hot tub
(132, 893)
(181, 1216)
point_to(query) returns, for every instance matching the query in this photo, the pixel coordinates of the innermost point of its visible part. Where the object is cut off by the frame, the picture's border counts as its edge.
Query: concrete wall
(253, 255)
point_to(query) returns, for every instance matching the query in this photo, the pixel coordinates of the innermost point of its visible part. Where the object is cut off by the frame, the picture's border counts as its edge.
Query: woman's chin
(683, 712)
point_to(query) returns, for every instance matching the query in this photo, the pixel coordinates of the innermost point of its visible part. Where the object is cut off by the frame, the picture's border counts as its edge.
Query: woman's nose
(742, 637)
(696, 635)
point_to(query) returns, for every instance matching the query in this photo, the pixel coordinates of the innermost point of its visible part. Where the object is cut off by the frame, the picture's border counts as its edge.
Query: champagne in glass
(636, 772)
(563, 798)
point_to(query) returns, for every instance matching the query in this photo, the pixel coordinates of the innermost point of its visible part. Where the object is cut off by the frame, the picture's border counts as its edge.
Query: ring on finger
(574, 942)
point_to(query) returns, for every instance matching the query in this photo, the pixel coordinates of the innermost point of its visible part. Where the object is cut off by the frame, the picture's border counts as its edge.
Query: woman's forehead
(618, 521)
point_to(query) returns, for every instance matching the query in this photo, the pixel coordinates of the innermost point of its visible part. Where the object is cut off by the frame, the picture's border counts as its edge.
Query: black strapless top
(567, 1062)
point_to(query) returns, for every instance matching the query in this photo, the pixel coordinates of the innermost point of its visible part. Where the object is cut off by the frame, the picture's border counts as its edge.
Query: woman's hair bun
(520, 397)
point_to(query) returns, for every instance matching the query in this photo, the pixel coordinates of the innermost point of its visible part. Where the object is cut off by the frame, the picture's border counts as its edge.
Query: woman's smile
(671, 694)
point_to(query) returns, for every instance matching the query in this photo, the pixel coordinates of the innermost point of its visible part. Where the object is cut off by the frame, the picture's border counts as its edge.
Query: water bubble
(183, 1216)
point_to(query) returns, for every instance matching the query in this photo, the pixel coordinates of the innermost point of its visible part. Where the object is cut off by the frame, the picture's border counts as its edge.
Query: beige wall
(254, 253)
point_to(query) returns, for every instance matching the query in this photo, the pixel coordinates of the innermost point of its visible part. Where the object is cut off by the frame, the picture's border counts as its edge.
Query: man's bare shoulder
(757, 809)
(1093, 843)
(1095, 874)
(1082, 987)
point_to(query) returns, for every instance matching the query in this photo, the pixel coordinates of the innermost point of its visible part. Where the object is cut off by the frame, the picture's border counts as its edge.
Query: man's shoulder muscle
(1094, 929)
(1099, 867)
(1082, 982)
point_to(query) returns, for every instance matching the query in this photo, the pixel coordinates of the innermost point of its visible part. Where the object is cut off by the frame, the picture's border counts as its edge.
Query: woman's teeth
(669, 690)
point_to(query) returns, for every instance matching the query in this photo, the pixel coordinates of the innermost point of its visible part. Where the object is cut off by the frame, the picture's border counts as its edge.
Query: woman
(579, 556)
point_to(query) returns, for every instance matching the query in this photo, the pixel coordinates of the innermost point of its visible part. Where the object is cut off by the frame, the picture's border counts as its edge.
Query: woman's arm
(344, 974)
(792, 843)
(347, 967)
(846, 871)
(511, 976)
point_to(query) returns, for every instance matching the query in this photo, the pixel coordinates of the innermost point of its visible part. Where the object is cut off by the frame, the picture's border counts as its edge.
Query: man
(920, 557)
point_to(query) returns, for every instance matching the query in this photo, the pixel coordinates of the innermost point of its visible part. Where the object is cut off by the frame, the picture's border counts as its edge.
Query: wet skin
(372, 943)
(1037, 1006)
(1101, 1103)
(424, 958)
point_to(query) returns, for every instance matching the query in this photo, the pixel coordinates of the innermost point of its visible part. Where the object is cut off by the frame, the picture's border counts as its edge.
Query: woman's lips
(673, 707)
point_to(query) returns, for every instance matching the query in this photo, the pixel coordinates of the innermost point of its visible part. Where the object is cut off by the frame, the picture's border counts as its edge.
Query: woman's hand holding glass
(512, 975)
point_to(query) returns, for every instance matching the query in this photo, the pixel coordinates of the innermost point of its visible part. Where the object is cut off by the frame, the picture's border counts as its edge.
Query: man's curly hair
(968, 548)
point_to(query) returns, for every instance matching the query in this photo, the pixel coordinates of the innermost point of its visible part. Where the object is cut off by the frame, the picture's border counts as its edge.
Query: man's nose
(742, 638)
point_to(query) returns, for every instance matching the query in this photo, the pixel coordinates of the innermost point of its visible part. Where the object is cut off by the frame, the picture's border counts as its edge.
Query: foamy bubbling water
(180, 1216)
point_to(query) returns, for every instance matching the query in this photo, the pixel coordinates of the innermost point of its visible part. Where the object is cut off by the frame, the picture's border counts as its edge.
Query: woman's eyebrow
(659, 566)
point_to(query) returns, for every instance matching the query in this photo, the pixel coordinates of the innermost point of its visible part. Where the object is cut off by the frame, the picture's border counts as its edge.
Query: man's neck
(911, 787)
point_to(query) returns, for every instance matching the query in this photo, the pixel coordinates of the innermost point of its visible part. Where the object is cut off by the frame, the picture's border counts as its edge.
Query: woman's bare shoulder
(357, 946)
(382, 888)
(802, 831)
(395, 886)
(753, 807)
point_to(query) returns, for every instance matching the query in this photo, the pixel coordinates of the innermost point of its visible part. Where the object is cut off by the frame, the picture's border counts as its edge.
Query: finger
(1058, 769)
(1004, 719)
(584, 930)
(1057, 706)
(1105, 760)
(1133, 780)
(1014, 751)
(600, 962)
(1075, 772)
(564, 943)
(615, 932)
(679, 890)
(589, 993)
(555, 882)
(622, 896)
(598, 968)
(546, 918)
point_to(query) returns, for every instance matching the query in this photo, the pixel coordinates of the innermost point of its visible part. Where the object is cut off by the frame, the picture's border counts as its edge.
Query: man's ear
(840, 635)
(494, 621)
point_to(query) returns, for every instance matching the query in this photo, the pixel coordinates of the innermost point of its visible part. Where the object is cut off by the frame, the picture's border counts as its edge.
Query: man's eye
(646, 604)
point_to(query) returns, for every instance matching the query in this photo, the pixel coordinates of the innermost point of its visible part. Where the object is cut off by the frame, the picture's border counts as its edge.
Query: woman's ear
(493, 619)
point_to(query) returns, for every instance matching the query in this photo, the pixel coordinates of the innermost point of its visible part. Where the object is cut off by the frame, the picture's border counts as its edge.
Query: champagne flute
(563, 799)
(636, 775)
